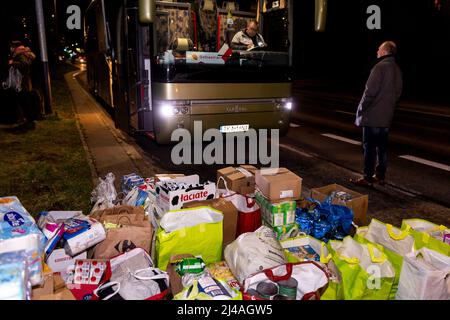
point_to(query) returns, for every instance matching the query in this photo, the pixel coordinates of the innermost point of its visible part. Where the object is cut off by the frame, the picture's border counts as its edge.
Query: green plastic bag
(220, 289)
(197, 231)
(423, 231)
(354, 262)
(395, 258)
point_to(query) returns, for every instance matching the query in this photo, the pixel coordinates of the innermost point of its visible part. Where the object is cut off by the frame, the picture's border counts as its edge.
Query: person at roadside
(375, 113)
(21, 59)
(248, 38)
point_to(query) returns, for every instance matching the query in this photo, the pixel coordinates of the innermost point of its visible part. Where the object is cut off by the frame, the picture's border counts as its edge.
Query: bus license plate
(235, 128)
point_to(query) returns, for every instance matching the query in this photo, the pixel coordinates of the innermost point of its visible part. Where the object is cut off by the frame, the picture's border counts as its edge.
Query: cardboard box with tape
(278, 184)
(240, 179)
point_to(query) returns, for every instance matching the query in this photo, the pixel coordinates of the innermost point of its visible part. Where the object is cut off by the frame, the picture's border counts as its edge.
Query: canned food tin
(288, 288)
(280, 297)
(267, 289)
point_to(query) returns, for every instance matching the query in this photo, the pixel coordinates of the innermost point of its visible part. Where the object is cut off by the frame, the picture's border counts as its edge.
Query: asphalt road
(323, 153)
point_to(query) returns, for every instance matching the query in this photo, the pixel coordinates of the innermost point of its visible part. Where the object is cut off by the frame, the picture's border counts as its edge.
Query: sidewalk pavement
(108, 149)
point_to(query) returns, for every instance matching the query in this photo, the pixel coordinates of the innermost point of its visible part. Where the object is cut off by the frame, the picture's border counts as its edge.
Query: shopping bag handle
(123, 216)
(224, 182)
(269, 274)
(349, 260)
(393, 235)
(381, 259)
(426, 233)
(154, 277)
(324, 259)
(250, 203)
(107, 285)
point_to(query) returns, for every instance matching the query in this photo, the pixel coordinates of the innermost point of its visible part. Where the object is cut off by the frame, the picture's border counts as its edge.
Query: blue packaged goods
(80, 232)
(53, 233)
(14, 282)
(18, 231)
(321, 230)
(304, 253)
(304, 221)
(130, 181)
(325, 221)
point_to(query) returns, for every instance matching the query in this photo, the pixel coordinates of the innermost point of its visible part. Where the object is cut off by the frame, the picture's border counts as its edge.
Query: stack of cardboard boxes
(277, 193)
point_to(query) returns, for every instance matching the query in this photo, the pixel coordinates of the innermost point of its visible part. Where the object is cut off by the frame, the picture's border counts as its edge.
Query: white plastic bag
(176, 220)
(310, 278)
(425, 276)
(105, 194)
(394, 239)
(252, 252)
(14, 80)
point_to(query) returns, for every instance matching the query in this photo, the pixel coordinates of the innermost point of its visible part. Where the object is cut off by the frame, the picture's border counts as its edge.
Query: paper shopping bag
(127, 228)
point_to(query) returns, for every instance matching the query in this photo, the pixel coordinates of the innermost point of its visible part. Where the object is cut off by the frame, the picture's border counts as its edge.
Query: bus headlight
(167, 110)
(287, 105)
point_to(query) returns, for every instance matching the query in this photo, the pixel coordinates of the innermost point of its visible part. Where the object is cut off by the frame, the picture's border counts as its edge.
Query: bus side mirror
(321, 15)
(147, 11)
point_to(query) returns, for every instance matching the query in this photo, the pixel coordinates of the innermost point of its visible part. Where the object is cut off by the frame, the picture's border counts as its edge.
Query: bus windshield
(222, 41)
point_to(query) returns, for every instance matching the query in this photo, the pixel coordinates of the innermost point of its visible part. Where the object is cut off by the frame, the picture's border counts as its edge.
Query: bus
(163, 65)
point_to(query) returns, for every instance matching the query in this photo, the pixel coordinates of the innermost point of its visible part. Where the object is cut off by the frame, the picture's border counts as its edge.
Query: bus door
(138, 66)
(132, 63)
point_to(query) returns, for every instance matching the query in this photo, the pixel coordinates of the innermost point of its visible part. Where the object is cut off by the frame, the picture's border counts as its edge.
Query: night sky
(340, 57)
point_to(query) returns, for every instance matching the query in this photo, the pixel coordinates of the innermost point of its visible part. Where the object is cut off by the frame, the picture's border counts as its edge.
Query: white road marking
(293, 125)
(295, 150)
(345, 112)
(427, 113)
(333, 136)
(426, 162)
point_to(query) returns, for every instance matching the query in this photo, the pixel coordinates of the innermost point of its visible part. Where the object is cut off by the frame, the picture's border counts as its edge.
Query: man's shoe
(379, 181)
(362, 182)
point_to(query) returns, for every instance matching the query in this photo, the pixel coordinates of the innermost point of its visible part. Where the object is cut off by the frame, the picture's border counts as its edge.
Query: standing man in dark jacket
(375, 113)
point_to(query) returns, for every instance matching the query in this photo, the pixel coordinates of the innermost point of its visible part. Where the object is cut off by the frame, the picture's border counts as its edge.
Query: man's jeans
(375, 146)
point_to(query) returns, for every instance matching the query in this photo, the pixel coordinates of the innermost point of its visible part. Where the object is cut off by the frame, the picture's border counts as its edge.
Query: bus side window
(173, 21)
(91, 32)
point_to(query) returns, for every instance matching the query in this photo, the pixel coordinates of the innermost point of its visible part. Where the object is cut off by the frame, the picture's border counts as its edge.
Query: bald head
(387, 48)
(252, 28)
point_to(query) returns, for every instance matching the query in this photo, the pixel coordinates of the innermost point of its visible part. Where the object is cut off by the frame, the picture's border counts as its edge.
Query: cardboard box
(60, 262)
(59, 290)
(278, 184)
(167, 176)
(47, 287)
(168, 200)
(276, 214)
(240, 179)
(230, 216)
(64, 294)
(176, 285)
(359, 202)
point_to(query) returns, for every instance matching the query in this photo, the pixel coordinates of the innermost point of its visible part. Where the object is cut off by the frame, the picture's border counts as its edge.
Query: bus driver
(248, 38)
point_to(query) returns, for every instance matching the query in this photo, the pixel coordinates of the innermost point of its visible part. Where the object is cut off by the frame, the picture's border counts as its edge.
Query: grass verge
(46, 167)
